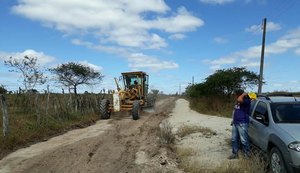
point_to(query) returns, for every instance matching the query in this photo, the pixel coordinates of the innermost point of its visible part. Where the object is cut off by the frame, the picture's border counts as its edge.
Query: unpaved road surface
(124, 145)
(110, 146)
(209, 150)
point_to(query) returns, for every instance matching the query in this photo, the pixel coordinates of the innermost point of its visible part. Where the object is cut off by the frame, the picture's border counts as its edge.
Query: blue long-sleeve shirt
(241, 111)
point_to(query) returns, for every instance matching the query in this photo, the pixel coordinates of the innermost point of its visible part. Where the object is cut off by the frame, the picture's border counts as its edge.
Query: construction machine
(133, 96)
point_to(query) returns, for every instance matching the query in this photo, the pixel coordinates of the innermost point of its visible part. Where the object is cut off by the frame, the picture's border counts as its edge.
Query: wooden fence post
(37, 111)
(47, 103)
(5, 115)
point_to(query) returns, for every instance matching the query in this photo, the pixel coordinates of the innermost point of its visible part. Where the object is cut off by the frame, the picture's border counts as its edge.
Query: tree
(73, 74)
(155, 91)
(29, 69)
(224, 82)
(3, 90)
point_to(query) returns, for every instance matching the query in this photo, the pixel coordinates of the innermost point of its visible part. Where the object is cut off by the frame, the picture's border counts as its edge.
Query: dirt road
(124, 145)
(116, 145)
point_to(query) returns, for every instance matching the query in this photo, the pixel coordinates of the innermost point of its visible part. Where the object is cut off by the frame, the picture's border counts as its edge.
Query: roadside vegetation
(188, 164)
(30, 116)
(187, 130)
(36, 117)
(215, 95)
(187, 159)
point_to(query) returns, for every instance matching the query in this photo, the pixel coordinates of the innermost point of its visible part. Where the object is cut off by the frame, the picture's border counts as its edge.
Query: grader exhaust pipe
(117, 83)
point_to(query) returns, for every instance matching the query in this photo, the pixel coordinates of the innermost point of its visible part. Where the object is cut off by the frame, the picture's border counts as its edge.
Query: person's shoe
(233, 156)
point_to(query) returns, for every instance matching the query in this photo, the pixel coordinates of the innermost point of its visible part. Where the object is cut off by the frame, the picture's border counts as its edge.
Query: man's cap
(252, 95)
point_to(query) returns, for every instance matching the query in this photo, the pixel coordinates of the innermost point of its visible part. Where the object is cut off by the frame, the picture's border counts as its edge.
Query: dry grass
(34, 118)
(185, 152)
(187, 130)
(255, 164)
(165, 133)
(189, 163)
(213, 106)
(186, 163)
(190, 159)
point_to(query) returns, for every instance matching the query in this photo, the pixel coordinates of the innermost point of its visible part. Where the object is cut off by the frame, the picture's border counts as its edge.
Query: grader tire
(136, 110)
(104, 109)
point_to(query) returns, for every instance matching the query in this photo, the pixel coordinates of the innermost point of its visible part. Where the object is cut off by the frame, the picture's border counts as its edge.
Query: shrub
(186, 130)
(165, 133)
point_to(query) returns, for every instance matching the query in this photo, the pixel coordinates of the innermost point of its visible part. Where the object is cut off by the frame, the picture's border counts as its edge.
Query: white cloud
(42, 59)
(256, 29)
(215, 67)
(294, 82)
(140, 60)
(220, 40)
(297, 51)
(219, 2)
(93, 66)
(290, 41)
(278, 85)
(107, 49)
(125, 23)
(223, 61)
(177, 36)
(137, 61)
(183, 21)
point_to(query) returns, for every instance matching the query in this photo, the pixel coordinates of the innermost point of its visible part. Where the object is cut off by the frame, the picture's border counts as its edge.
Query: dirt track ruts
(116, 145)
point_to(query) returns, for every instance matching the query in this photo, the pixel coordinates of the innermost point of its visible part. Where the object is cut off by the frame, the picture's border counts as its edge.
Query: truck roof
(134, 73)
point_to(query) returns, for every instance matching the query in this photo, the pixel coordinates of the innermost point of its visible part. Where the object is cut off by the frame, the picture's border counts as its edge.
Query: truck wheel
(135, 110)
(277, 164)
(104, 109)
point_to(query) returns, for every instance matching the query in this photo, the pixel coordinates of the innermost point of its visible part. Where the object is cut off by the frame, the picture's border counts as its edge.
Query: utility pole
(193, 80)
(262, 56)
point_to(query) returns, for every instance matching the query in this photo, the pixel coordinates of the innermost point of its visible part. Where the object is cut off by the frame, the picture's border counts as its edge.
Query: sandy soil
(124, 145)
(209, 151)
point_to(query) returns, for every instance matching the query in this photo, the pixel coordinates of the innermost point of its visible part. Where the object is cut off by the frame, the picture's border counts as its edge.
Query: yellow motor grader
(132, 97)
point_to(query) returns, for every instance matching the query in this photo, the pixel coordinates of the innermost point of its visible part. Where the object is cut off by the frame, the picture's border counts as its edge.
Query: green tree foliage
(73, 74)
(224, 82)
(29, 69)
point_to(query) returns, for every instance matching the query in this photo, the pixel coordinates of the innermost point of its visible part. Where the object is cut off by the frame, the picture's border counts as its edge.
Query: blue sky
(173, 41)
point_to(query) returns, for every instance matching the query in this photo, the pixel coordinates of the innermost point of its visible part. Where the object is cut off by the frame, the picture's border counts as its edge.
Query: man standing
(240, 124)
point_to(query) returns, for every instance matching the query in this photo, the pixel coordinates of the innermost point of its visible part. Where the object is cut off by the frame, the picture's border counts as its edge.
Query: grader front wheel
(136, 110)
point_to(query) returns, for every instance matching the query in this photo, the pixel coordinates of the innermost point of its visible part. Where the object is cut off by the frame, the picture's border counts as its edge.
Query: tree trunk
(75, 89)
(47, 103)
(5, 116)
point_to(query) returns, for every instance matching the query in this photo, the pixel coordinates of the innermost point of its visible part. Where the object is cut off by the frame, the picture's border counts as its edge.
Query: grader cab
(133, 96)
